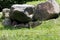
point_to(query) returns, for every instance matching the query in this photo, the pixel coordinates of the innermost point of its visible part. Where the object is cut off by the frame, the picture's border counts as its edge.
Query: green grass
(34, 2)
(37, 2)
(48, 30)
(58, 1)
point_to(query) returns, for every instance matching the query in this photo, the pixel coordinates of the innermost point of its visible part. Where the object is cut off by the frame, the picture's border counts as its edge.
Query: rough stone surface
(55, 5)
(5, 12)
(46, 10)
(34, 24)
(22, 13)
(28, 25)
(6, 22)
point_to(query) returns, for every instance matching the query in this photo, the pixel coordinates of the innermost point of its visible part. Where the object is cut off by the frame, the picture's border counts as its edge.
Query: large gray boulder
(46, 10)
(21, 12)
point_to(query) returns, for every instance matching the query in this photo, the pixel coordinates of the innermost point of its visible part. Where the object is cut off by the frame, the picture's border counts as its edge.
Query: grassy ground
(34, 2)
(37, 2)
(48, 30)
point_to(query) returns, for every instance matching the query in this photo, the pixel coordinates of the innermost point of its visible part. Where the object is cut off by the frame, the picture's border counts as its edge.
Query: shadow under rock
(15, 27)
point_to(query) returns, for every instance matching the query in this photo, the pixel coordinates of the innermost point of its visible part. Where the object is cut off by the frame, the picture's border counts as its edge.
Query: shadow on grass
(15, 28)
(12, 28)
(31, 25)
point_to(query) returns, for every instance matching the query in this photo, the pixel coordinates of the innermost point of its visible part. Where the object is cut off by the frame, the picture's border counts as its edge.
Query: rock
(55, 5)
(5, 12)
(28, 25)
(19, 25)
(34, 24)
(21, 13)
(6, 22)
(46, 10)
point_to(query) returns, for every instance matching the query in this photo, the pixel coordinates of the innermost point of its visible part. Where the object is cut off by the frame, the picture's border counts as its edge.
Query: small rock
(6, 22)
